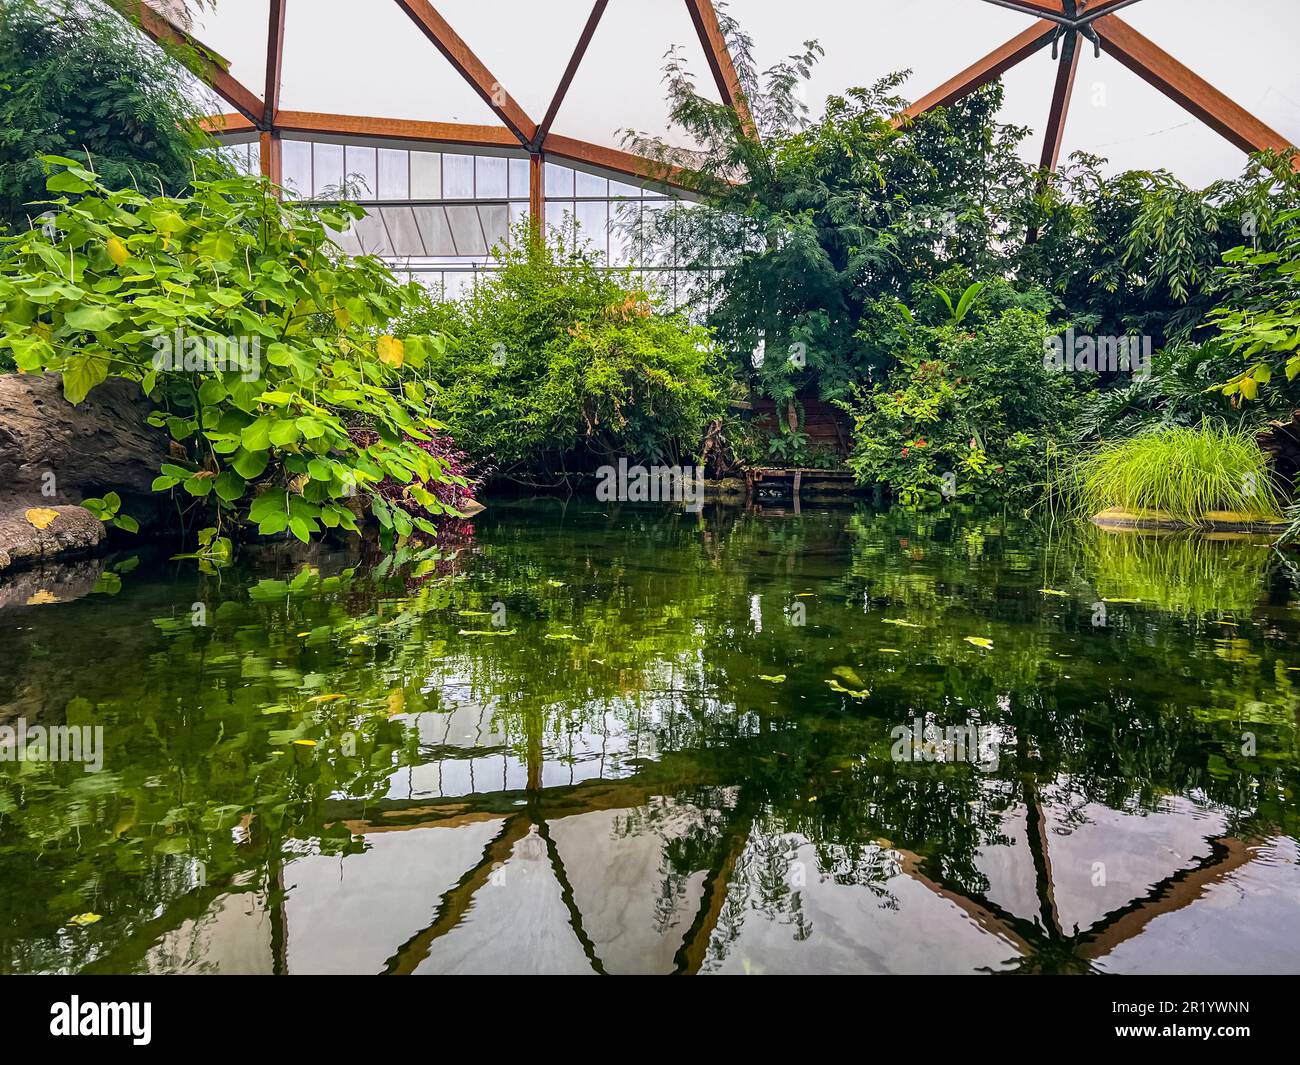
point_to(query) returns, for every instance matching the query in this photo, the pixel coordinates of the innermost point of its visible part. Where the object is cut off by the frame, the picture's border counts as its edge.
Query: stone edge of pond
(1216, 522)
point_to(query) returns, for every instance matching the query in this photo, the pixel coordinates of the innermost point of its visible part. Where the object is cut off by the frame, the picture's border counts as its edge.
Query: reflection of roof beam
(695, 943)
(470, 67)
(593, 20)
(1191, 92)
(211, 66)
(457, 901)
(1173, 893)
(720, 62)
(985, 70)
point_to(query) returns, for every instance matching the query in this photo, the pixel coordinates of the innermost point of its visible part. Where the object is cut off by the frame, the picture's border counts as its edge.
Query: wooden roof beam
(212, 67)
(1061, 94)
(580, 50)
(471, 68)
(981, 72)
(720, 62)
(1187, 89)
(274, 61)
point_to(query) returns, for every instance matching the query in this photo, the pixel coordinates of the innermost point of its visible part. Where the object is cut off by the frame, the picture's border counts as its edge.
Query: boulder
(30, 533)
(52, 453)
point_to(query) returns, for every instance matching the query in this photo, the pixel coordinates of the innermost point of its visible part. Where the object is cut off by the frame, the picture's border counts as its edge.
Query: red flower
(920, 443)
(904, 451)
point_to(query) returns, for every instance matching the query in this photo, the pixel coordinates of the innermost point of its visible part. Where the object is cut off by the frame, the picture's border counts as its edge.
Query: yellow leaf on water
(326, 698)
(901, 622)
(779, 678)
(41, 517)
(392, 352)
(396, 702)
(1105, 600)
(83, 919)
(849, 674)
(117, 251)
(980, 641)
(559, 636)
(889, 650)
(42, 598)
(1054, 591)
(305, 743)
(486, 632)
(836, 686)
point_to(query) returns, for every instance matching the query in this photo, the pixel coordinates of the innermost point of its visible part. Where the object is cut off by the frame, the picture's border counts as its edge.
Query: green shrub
(76, 80)
(1186, 473)
(554, 363)
(253, 335)
(964, 414)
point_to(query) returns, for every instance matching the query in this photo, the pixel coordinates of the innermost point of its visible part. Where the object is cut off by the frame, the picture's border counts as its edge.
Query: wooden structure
(1062, 24)
(517, 129)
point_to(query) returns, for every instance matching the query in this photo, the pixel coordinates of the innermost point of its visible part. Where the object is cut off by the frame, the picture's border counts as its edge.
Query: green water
(553, 749)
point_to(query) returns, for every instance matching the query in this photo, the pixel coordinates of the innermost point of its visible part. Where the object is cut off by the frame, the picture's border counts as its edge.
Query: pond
(620, 739)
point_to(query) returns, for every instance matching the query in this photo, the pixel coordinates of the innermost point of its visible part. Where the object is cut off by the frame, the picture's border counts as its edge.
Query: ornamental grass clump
(1186, 474)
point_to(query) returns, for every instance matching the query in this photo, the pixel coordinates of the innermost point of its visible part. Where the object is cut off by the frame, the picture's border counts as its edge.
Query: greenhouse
(656, 487)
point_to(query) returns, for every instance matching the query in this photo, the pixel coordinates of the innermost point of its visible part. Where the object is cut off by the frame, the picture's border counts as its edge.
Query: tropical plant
(963, 414)
(1186, 474)
(1261, 323)
(77, 81)
(255, 338)
(554, 363)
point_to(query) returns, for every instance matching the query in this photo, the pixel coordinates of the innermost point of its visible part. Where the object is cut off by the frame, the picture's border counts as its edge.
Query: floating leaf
(1054, 591)
(902, 623)
(849, 674)
(777, 679)
(304, 743)
(1121, 600)
(326, 698)
(41, 517)
(84, 919)
(980, 641)
(836, 686)
(486, 632)
(560, 636)
(889, 650)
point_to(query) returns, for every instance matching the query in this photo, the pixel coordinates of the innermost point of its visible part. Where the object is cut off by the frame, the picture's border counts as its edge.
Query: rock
(52, 453)
(44, 585)
(471, 507)
(71, 531)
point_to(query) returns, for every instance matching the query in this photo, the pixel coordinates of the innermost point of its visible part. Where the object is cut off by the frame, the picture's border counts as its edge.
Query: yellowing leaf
(559, 636)
(889, 650)
(849, 674)
(392, 352)
(486, 632)
(117, 251)
(980, 641)
(777, 679)
(900, 622)
(41, 517)
(305, 743)
(83, 919)
(325, 698)
(1054, 591)
(836, 686)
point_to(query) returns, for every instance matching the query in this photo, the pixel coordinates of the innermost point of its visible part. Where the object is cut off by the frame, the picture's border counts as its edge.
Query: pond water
(611, 739)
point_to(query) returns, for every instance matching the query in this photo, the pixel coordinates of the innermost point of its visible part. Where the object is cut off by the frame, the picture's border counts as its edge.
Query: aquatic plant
(1185, 473)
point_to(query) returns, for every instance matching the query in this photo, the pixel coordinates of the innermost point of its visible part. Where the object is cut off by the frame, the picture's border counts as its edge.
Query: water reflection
(563, 747)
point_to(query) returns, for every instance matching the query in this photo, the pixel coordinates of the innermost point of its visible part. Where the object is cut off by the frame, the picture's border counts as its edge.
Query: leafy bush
(1186, 473)
(965, 414)
(553, 363)
(76, 80)
(253, 335)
